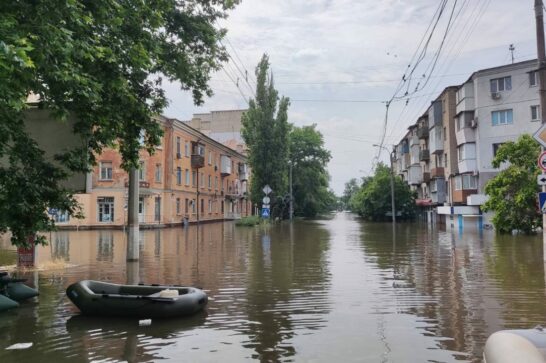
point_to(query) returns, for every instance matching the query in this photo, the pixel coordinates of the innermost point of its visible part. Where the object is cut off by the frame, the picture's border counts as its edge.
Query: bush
(248, 221)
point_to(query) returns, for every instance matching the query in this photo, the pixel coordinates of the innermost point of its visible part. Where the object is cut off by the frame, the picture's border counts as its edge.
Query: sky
(340, 60)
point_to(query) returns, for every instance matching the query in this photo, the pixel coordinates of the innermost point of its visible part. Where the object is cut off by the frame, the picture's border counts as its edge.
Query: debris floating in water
(19, 346)
(145, 322)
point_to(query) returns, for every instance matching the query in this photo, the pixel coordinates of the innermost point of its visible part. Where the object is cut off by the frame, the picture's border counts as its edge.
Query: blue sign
(265, 212)
(542, 202)
(52, 211)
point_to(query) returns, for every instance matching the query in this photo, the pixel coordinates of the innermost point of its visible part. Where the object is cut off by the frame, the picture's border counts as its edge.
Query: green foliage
(265, 132)
(351, 188)
(513, 191)
(373, 200)
(102, 61)
(309, 176)
(248, 221)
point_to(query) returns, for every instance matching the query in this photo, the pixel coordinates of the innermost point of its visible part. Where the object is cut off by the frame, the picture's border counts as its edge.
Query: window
(158, 173)
(210, 206)
(178, 145)
(464, 120)
(466, 182)
(141, 171)
(62, 216)
(187, 149)
(216, 183)
(445, 134)
(157, 212)
(186, 205)
(503, 117)
(177, 205)
(105, 207)
(535, 113)
(496, 148)
(210, 182)
(142, 137)
(210, 157)
(467, 151)
(202, 206)
(193, 178)
(501, 84)
(179, 175)
(445, 160)
(106, 170)
(533, 79)
(193, 206)
(187, 177)
(202, 180)
(433, 187)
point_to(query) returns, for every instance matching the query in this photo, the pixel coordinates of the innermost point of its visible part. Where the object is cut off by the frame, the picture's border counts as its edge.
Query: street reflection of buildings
(287, 289)
(463, 286)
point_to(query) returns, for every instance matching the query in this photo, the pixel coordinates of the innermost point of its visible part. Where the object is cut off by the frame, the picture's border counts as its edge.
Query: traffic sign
(266, 214)
(542, 161)
(266, 200)
(541, 179)
(540, 135)
(267, 189)
(542, 202)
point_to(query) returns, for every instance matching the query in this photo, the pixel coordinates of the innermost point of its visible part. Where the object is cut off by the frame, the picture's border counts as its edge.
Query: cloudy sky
(338, 59)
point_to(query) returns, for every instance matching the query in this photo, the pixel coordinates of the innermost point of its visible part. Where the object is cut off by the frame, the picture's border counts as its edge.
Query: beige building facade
(190, 177)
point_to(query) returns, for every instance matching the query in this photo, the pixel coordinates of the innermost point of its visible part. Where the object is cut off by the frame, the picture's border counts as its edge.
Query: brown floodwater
(314, 291)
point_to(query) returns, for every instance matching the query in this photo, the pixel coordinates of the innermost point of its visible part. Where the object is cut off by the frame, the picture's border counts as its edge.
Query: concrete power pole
(291, 208)
(132, 220)
(541, 55)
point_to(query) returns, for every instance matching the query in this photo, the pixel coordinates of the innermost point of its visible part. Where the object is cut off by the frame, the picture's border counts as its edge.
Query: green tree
(309, 176)
(102, 61)
(513, 191)
(373, 200)
(265, 132)
(351, 188)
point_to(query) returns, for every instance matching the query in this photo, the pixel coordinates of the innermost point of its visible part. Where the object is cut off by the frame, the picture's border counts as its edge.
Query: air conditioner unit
(496, 95)
(178, 155)
(474, 123)
(475, 173)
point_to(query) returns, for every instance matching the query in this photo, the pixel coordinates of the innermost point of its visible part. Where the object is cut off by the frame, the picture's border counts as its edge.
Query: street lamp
(393, 208)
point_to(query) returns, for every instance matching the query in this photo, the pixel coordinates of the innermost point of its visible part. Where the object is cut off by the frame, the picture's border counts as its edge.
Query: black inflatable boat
(142, 301)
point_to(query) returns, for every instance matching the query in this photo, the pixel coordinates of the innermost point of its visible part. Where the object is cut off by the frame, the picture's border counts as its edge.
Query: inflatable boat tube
(6, 303)
(20, 291)
(141, 301)
(511, 346)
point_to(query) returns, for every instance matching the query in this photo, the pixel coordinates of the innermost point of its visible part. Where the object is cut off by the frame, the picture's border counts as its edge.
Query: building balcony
(415, 175)
(424, 155)
(438, 197)
(476, 199)
(437, 172)
(414, 140)
(197, 161)
(436, 141)
(422, 132)
(464, 135)
(426, 177)
(225, 165)
(467, 166)
(460, 196)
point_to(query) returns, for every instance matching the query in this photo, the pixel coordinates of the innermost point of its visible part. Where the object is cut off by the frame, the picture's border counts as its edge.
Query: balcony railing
(426, 177)
(437, 172)
(424, 155)
(422, 132)
(197, 161)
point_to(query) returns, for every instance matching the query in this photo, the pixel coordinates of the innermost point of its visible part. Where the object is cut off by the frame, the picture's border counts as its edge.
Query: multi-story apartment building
(494, 106)
(458, 137)
(190, 176)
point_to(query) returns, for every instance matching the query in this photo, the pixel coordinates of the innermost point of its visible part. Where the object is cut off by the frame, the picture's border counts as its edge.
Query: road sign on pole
(542, 161)
(541, 179)
(540, 135)
(266, 214)
(266, 200)
(542, 202)
(267, 189)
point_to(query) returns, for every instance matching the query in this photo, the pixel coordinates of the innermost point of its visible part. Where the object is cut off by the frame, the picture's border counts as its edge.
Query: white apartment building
(494, 106)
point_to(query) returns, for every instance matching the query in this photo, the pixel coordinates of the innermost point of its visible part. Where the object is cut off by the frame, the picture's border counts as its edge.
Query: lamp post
(393, 207)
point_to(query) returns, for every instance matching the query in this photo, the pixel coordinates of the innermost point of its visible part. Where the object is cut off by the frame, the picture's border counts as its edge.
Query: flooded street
(315, 291)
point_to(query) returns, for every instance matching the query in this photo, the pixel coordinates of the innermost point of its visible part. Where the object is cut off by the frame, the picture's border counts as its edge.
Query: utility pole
(132, 219)
(291, 210)
(511, 48)
(391, 157)
(541, 55)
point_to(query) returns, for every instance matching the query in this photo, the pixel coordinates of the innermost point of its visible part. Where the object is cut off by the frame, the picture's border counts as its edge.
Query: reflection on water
(328, 290)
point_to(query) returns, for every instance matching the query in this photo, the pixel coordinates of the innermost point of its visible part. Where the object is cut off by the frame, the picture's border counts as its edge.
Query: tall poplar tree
(266, 134)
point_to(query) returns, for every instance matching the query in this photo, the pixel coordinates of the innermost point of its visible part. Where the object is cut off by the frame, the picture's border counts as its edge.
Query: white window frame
(179, 175)
(533, 78)
(158, 173)
(187, 149)
(535, 109)
(141, 171)
(501, 84)
(502, 117)
(103, 204)
(187, 177)
(103, 169)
